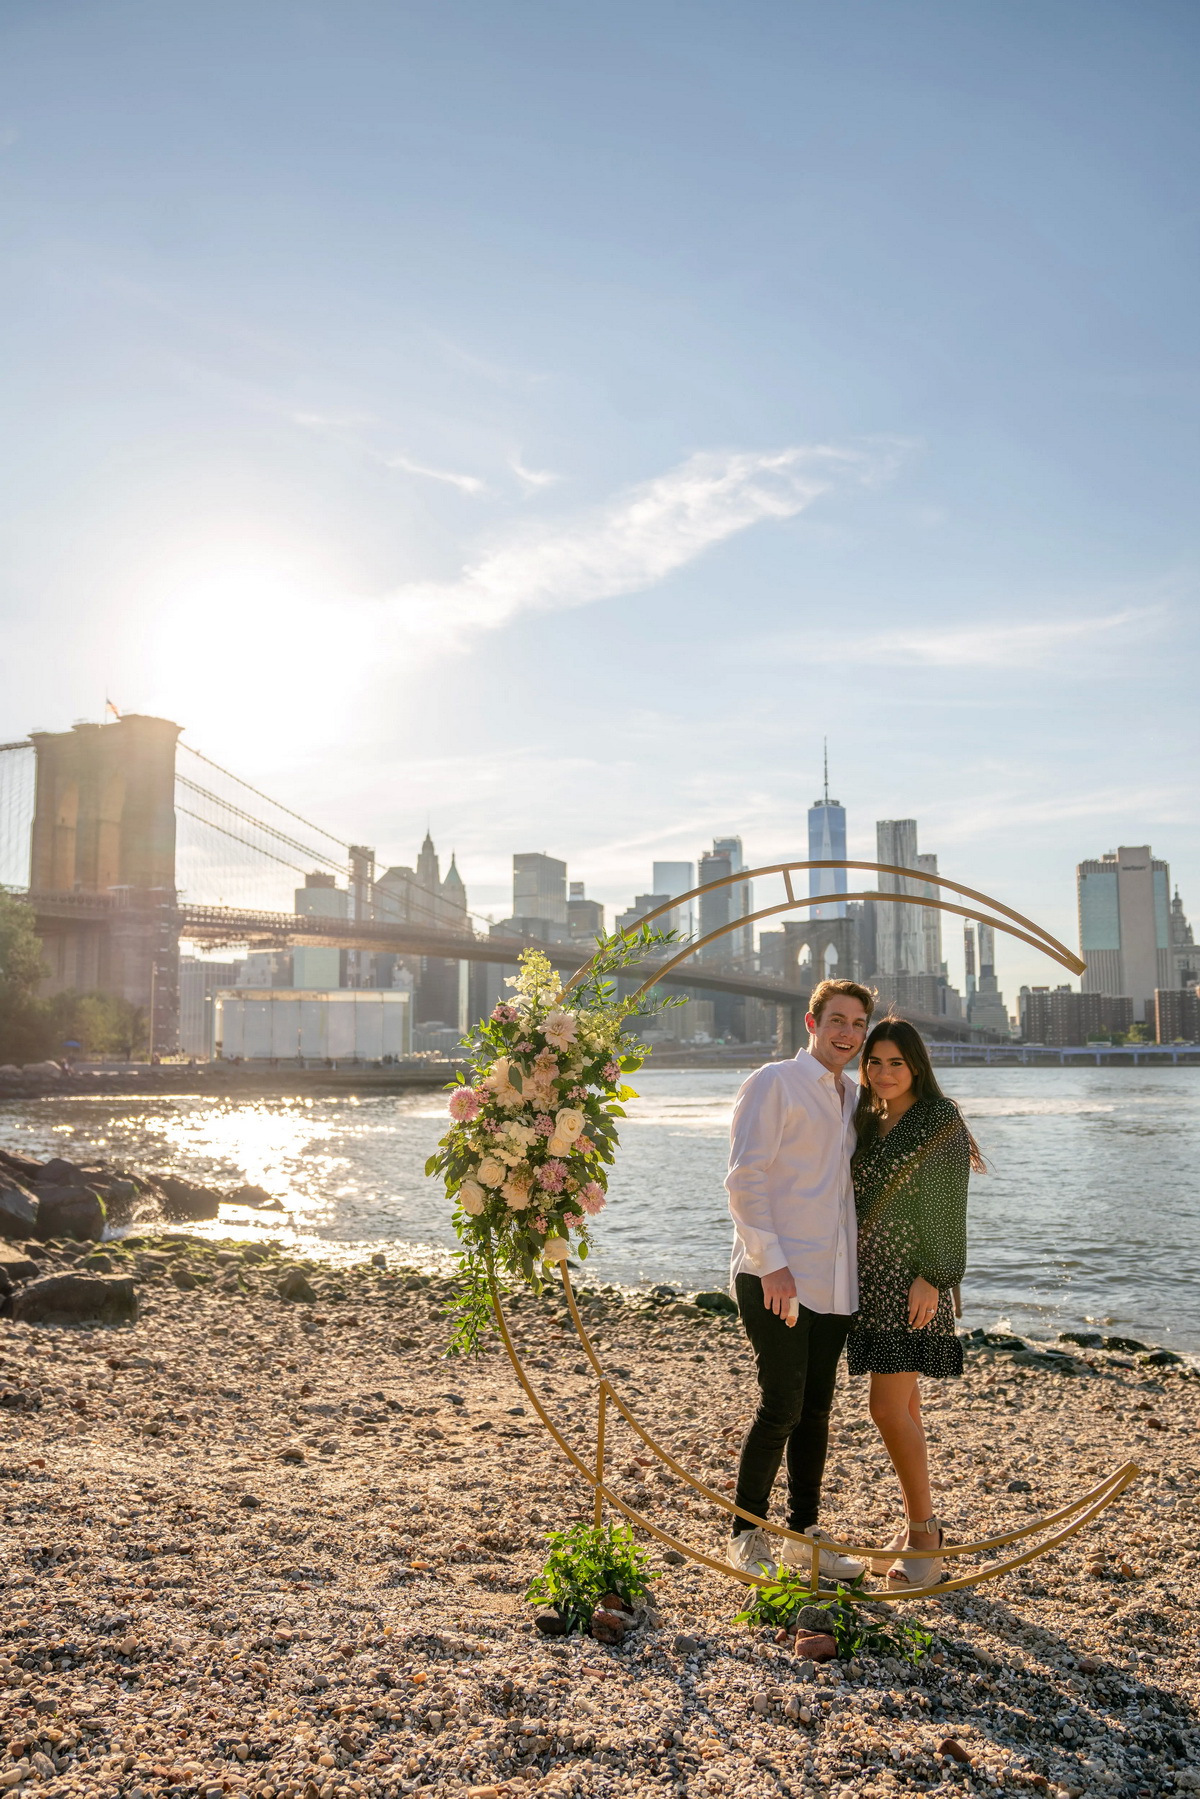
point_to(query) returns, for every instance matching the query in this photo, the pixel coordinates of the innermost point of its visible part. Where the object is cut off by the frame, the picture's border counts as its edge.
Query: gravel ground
(272, 1547)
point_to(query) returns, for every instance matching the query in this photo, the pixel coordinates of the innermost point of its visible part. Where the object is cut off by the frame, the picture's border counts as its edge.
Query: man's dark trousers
(797, 1373)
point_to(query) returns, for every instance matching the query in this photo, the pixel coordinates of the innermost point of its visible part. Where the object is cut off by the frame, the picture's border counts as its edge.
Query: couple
(849, 1204)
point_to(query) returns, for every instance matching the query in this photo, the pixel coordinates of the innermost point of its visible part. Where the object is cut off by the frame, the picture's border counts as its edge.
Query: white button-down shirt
(789, 1184)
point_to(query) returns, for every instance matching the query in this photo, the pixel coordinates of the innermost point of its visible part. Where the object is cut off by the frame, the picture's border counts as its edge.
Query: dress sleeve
(941, 1210)
(754, 1138)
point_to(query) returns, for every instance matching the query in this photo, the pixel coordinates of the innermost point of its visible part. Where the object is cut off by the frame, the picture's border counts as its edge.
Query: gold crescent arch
(1051, 1530)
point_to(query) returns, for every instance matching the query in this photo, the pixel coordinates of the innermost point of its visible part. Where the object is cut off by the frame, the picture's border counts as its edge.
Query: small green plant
(586, 1562)
(854, 1631)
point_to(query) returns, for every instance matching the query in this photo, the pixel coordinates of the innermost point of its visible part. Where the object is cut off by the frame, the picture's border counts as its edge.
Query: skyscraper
(827, 843)
(540, 887)
(986, 1010)
(739, 944)
(672, 878)
(1125, 926)
(899, 929)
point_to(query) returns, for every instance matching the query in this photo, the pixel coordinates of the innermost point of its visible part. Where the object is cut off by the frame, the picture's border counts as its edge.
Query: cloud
(465, 483)
(635, 541)
(532, 478)
(994, 645)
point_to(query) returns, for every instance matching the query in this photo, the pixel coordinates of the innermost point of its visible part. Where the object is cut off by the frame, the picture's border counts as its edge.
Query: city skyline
(434, 452)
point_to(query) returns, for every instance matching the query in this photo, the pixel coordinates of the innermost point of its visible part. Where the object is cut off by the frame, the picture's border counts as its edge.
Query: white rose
(491, 1171)
(472, 1198)
(569, 1123)
(559, 1146)
(555, 1249)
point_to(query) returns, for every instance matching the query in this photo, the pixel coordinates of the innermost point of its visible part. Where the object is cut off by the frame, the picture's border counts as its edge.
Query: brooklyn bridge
(96, 821)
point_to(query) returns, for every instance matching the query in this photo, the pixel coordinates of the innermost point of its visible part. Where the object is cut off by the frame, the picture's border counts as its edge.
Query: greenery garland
(534, 1130)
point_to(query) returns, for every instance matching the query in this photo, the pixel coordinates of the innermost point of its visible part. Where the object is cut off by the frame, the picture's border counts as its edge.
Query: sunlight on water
(1089, 1214)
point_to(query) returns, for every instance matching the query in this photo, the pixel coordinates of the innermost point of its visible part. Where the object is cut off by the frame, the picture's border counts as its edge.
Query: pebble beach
(278, 1547)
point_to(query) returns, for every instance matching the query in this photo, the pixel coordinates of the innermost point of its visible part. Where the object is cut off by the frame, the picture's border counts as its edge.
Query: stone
(18, 1211)
(1084, 1339)
(68, 1298)
(816, 1618)
(184, 1200)
(609, 1627)
(1127, 1345)
(613, 1602)
(66, 1211)
(184, 1279)
(815, 1646)
(293, 1456)
(550, 1624)
(293, 1284)
(1018, 1486)
(59, 1173)
(15, 1265)
(1160, 1358)
(379, 1259)
(255, 1197)
(25, 1168)
(98, 1263)
(715, 1300)
(673, 1558)
(951, 1747)
(685, 1645)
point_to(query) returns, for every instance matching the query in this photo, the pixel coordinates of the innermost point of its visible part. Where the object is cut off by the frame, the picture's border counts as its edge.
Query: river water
(1090, 1214)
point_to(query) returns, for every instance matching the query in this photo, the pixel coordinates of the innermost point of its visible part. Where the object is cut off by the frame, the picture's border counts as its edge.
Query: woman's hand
(922, 1304)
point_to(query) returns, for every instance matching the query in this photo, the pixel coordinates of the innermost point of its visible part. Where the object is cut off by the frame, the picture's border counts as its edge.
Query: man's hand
(779, 1290)
(922, 1304)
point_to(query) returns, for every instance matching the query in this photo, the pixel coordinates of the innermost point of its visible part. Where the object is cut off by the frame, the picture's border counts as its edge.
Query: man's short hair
(825, 990)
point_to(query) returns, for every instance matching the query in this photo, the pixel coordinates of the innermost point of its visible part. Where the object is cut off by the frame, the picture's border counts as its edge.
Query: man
(795, 1266)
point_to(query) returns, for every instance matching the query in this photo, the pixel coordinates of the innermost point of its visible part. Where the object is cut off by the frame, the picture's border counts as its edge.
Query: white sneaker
(754, 1551)
(833, 1565)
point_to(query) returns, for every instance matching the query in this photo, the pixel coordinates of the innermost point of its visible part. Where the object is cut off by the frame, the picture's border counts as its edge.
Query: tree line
(33, 1028)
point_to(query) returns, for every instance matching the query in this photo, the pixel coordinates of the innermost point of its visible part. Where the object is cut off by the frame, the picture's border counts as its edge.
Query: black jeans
(797, 1372)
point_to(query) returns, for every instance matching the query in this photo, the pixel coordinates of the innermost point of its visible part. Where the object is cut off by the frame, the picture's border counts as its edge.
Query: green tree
(103, 1024)
(24, 1018)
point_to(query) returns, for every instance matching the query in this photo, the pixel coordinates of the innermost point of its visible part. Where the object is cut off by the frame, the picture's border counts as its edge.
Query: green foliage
(584, 1563)
(855, 1631)
(24, 1028)
(104, 1024)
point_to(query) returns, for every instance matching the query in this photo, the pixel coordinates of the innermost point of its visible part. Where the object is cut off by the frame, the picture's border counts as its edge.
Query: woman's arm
(941, 1208)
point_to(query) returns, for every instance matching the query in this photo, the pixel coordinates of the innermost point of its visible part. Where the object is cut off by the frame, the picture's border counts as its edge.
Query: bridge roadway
(221, 926)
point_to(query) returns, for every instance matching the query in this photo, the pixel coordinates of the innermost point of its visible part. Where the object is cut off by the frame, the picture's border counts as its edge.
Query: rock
(59, 1173)
(379, 1259)
(815, 1646)
(18, 1211)
(806, 1670)
(249, 1501)
(184, 1200)
(293, 1455)
(1128, 1345)
(816, 1618)
(256, 1197)
(69, 1211)
(1160, 1358)
(15, 1265)
(293, 1284)
(609, 1626)
(714, 1300)
(1018, 1486)
(673, 1558)
(550, 1624)
(613, 1602)
(685, 1645)
(24, 1167)
(951, 1747)
(184, 1279)
(98, 1263)
(67, 1298)
(1001, 1340)
(1084, 1339)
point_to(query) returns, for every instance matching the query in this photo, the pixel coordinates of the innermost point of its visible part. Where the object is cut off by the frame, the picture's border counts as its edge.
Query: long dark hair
(909, 1041)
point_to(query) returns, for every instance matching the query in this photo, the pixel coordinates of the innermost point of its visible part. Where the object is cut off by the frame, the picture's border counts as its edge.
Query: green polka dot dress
(910, 1194)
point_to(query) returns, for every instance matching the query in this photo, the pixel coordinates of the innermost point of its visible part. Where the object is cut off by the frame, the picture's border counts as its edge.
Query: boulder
(256, 1197)
(24, 1167)
(70, 1212)
(815, 1646)
(1126, 1345)
(60, 1173)
(551, 1624)
(293, 1284)
(1084, 1339)
(72, 1298)
(185, 1200)
(714, 1300)
(18, 1210)
(15, 1265)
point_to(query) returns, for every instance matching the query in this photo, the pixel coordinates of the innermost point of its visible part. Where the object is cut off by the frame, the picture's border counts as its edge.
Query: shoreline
(278, 1547)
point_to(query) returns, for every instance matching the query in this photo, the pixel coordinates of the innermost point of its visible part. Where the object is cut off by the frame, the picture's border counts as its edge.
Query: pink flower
(611, 1070)
(545, 1125)
(577, 1093)
(504, 1014)
(541, 1223)
(585, 1146)
(551, 1176)
(592, 1197)
(464, 1104)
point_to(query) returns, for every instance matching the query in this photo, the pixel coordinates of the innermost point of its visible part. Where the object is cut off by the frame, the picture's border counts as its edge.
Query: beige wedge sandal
(919, 1570)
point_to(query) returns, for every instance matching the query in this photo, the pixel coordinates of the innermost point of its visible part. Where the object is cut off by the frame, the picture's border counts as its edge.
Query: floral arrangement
(534, 1130)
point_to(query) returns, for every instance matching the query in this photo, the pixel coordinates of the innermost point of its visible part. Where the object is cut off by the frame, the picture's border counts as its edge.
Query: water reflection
(1089, 1212)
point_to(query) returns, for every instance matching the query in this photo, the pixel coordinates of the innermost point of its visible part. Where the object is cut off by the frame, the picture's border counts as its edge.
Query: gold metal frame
(1071, 1518)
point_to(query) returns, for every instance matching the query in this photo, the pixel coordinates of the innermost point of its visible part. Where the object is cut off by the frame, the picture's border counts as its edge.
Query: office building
(643, 903)
(899, 928)
(735, 949)
(540, 887)
(1176, 1015)
(585, 917)
(987, 1011)
(1125, 926)
(1185, 961)
(672, 878)
(318, 966)
(827, 842)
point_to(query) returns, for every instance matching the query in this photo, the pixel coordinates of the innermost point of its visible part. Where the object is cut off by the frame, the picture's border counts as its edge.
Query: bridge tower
(102, 864)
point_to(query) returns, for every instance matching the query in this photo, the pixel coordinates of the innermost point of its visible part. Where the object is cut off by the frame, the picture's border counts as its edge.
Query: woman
(910, 1170)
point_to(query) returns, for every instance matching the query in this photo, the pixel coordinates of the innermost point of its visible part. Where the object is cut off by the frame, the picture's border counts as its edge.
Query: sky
(547, 423)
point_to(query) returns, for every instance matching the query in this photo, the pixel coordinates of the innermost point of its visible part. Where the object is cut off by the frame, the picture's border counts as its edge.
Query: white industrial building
(339, 1024)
